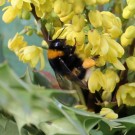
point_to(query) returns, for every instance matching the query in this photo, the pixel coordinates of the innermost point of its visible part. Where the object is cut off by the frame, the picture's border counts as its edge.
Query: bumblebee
(65, 62)
(68, 66)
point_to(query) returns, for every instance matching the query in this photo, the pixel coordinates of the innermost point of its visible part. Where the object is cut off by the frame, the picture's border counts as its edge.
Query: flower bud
(94, 37)
(16, 43)
(126, 94)
(130, 32)
(78, 26)
(95, 18)
(108, 113)
(10, 14)
(131, 63)
(96, 81)
(125, 41)
(78, 6)
(131, 5)
(127, 13)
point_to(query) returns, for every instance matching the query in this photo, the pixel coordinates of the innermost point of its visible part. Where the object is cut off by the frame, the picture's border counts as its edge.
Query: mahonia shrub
(106, 35)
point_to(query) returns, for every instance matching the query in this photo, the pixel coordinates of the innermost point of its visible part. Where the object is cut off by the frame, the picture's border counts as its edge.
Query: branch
(46, 36)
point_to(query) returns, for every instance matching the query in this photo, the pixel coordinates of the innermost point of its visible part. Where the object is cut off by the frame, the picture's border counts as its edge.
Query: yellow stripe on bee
(54, 54)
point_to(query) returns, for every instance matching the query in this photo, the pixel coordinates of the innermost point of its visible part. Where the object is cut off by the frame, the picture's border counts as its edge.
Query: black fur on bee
(65, 62)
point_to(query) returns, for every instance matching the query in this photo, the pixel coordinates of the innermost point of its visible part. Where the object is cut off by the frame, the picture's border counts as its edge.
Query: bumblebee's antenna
(75, 42)
(61, 32)
(58, 35)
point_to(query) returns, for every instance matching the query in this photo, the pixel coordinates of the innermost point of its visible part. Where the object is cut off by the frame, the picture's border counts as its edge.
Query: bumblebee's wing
(63, 82)
(71, 76)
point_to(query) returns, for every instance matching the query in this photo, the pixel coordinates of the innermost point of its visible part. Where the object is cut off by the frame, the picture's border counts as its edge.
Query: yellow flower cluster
(108, 21)
(129, 10)
(128, 36)
(67, 9)
(102, 38)
(18, 7)
(108, 113)
(106, 81)
(126, 94)
(73, 32)
(15, 9)
(28, 54)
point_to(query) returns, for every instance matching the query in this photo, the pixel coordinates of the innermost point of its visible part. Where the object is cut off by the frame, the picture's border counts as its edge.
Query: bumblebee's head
(57, 44)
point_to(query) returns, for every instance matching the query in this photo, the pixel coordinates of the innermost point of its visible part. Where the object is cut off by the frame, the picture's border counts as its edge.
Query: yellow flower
(32, 55)
(42, 7)
(64, 10)
(108, 113)
(78, 26)
(96, 81)
(127, 13)
(95, 18)
(102, 1)
(126, 94)
(129, 10)
(111, 24)
(78, 6)
(73, 32)
(106, 47)
(128, 36)
(131, 63)
(94, 40)
(15, 9)
(16, 43)
(111, 80)
(10, 14)
(125, 41)
(130, 32)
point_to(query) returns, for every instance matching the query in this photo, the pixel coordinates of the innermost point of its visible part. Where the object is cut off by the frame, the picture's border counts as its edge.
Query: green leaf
(7, 126)
(71, 117)
(11, 128)
(128, 122)
(96, 132)
(90, 123)
(59, 126)
(11, 79)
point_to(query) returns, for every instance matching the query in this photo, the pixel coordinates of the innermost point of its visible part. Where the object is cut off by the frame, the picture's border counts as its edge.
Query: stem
(41, 23)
